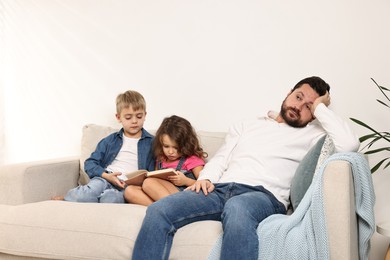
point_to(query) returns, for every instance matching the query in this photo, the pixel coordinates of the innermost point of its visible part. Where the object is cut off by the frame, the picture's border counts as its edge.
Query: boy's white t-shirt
(127, 159)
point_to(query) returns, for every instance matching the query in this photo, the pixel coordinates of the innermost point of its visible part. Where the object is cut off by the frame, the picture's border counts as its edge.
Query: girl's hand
(179, 179)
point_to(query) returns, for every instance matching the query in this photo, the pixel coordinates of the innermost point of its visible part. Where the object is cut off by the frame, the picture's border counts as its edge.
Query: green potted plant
(377, 137)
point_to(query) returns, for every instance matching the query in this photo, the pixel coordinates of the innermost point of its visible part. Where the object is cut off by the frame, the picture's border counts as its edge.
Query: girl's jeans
(240, 208)
(97, 190)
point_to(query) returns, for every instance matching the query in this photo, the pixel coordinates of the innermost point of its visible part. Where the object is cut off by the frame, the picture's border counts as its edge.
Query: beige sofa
(34, 227)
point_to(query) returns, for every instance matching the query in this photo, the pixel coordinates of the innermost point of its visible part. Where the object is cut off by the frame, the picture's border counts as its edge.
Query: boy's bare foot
(57, 198)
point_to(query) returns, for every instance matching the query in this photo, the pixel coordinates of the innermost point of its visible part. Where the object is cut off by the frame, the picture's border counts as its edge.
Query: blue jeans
(97, 190)
(240, 208)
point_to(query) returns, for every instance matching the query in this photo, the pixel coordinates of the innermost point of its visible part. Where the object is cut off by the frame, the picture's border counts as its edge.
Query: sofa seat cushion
(59, 229)
(67, 230)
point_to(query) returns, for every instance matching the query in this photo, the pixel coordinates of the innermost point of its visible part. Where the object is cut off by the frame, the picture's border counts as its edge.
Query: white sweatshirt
(265, 152)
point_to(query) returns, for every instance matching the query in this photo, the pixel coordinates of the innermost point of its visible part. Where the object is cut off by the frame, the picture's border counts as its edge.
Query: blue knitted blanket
(303, 235)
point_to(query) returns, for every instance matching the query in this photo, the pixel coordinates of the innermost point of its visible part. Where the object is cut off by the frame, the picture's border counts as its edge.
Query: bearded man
(250, 176)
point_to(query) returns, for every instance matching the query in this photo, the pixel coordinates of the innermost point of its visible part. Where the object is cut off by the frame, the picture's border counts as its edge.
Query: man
(249, 178)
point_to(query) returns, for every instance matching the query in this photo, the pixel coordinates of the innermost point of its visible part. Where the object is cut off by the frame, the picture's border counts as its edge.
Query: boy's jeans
(240, 208)
(97, 190)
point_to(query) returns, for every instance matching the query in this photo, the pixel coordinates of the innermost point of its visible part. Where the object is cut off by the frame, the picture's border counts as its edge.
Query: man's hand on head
(324, 99)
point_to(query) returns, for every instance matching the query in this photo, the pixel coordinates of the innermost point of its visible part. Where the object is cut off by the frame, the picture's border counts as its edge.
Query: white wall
(214, 62)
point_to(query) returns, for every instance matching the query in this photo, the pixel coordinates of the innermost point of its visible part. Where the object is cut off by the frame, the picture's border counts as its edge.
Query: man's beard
(294, 122)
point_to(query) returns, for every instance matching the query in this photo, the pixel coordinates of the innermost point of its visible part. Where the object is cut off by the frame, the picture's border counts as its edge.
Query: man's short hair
(316, 83)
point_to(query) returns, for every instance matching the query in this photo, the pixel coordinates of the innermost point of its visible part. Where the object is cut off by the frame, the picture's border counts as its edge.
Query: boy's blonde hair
(130, 98)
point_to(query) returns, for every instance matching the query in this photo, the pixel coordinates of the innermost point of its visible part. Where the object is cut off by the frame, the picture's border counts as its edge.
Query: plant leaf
(370, 128)
(382, 89)
(367, 137)
(383, 103)
(378, 150)
(387, 165)
(374, 137)
(363, 124)
(376, 167)
(384, 135)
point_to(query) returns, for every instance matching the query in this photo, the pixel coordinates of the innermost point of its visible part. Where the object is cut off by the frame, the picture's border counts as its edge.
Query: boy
(124, 151)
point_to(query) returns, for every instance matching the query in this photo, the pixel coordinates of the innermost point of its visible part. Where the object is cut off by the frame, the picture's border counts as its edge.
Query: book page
(162, 174)
(137, 177)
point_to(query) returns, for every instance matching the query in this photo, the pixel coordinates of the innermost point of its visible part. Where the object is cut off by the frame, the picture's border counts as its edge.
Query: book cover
(137, 177)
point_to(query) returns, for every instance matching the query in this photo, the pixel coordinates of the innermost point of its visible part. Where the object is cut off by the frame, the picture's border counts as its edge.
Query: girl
(176, 145)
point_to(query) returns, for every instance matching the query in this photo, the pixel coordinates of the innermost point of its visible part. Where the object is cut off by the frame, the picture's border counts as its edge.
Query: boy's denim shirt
(108, 148)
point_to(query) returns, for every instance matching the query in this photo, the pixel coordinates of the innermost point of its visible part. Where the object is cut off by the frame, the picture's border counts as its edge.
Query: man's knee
(237, 215)
(235, 208)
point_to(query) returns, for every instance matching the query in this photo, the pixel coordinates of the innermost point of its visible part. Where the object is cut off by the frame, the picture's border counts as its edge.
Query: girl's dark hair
(316, 83)
(181, 131)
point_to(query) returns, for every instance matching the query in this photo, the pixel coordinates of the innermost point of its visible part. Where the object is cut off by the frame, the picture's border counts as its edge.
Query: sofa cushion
(91, 136)
(211, 142)
(307, 168)
(68, 230)
(59, 229)
(327, 150)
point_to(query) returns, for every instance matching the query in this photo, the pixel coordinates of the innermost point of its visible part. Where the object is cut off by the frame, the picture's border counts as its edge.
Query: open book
(137, 177)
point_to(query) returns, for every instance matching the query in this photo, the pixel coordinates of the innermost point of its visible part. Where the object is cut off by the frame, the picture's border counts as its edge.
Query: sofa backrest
(92, 134)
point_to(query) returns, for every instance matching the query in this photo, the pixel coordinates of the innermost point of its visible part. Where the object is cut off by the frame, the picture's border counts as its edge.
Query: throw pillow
(304, 174)
(91, 136)
(211, 142)
(327, 150)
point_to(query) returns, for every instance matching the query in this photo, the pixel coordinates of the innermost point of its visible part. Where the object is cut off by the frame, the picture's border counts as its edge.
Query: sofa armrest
(36, 181)
(341, 220)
